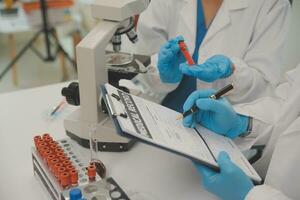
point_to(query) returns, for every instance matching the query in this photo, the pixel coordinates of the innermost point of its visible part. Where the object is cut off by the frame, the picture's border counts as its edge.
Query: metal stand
(48, 32)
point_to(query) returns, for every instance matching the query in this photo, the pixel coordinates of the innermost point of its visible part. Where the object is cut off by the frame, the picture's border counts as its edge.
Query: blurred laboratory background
(21, 21)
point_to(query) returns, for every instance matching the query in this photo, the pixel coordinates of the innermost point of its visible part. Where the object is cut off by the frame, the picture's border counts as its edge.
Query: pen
(185, 52)
(58, 107)
(215, 96)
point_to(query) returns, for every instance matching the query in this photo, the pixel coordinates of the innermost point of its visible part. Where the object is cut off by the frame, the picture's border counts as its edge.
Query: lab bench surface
(144, 172)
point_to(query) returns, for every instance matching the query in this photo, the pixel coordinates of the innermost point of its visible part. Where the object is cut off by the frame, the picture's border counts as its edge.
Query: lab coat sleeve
(264, 112)
(265, 192)
(153, 26)
(258, 72)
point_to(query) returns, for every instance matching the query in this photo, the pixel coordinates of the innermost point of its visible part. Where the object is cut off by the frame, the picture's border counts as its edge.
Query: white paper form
(156, 124)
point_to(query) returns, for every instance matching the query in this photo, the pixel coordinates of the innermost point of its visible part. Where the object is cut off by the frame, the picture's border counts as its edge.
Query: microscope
(116, 19)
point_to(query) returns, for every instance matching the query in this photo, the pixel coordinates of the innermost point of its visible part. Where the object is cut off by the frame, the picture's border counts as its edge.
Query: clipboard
(117, 116)
(113, 115)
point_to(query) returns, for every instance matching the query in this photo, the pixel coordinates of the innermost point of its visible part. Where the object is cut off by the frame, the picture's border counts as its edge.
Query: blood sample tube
(67, 163)
(46, 135)
(37, 139)
(74, 177)
(47, 139)
(57, 166)
(49, 158)
(61, 155)
(63, 158)
(53, 147)
(52, 164)
(185, 52)
(60, 171)
(59, 150)
(69, 168)
(42, 150)
(53, 143)
(65, 180)
(91, 172)
(41, 144)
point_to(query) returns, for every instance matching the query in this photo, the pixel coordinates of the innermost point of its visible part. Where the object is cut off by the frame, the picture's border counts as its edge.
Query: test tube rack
(59, 168)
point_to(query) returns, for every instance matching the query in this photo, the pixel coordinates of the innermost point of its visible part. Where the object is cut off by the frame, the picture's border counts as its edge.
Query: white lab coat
(278, 120)
(250, 32)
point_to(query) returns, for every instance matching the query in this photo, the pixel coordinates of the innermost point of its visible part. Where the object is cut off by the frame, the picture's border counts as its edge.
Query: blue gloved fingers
(214, 68)
(165, 46)
(173, 43)
(225, 163)
(188, 69)
(192, 98)
(191, 120)
(230, 184)
(194, 123)
(188, 121)
(205, 172)
(211, 105)
(178, 38)
(225, 66)
(170, 47)
(168, 55)
(169, 59)
(202, 72)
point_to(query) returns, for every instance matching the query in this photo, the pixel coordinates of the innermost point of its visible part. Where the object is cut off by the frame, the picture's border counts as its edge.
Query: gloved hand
(216, 67)
(230, 184)
(216, 115)
(169, 59)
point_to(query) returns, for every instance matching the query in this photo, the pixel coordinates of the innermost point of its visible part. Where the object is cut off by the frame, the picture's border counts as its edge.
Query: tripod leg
(63, 67)
(60, 54)
(61, 49)
(12, 44)
(68, 57)
(19, 55)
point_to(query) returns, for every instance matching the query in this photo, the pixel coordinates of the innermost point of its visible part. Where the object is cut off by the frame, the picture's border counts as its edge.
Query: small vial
(74, 177)
(93, 141)
(91, 172)
(100, 168)
(75, 194)
(65, 179)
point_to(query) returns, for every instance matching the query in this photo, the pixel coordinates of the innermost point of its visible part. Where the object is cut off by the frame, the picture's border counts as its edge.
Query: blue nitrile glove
(169, 59)
(231, 183)
(216, 115)
(216, 67)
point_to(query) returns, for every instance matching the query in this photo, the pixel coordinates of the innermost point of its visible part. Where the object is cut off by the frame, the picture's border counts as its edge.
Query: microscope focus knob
(72, 93)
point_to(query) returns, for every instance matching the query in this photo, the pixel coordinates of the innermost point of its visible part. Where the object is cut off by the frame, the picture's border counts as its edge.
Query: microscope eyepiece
(132, 36)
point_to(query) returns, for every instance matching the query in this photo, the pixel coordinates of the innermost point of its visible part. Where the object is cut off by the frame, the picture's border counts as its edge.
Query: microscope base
(109, 146)
(108, 139)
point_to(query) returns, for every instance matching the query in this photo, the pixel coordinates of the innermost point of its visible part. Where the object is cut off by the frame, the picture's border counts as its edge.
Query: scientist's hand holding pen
(214, 113)
(207, 108)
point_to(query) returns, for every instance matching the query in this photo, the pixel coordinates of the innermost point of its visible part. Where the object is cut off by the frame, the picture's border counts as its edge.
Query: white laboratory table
(145, 173)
